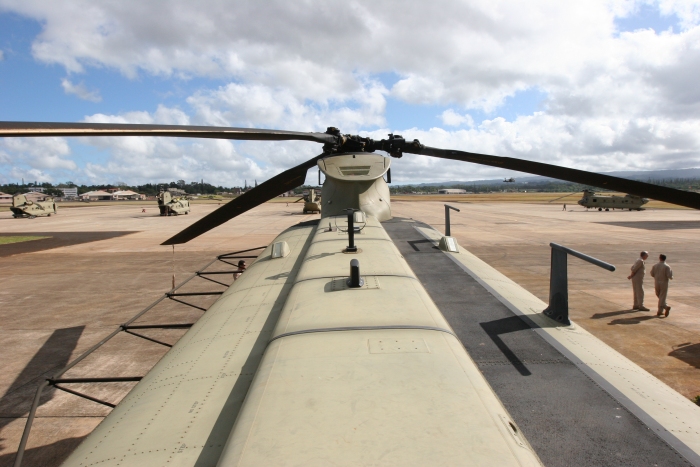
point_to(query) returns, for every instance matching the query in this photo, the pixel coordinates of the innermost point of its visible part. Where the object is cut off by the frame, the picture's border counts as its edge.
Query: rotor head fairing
(355, 181)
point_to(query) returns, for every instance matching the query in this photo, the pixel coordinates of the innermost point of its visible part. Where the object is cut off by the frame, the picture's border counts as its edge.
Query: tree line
(149, 189)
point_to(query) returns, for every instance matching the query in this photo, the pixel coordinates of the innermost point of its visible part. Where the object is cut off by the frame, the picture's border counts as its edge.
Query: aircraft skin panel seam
(401, 276)
(489, 400)
(155, 381)
(243, 434)
(398, 327)
(254, 422)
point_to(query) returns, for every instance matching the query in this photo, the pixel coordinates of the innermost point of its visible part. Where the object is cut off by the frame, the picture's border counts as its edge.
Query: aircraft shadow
(414, 242)
(50, 454)
(319, 256)
(496, 328)
(688, 353)
(51, 357)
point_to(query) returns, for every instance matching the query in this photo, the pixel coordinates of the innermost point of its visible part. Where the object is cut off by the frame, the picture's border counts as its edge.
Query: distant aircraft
(600, 202)
(607, 202)
(22, 207)
(172, 206)
(509, 180)
(312, 201)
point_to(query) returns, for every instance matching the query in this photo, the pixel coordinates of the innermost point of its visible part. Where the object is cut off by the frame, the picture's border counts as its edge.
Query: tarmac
(104, 264)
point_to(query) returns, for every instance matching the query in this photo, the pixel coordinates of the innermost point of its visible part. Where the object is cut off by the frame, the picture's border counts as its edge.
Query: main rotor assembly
(334, 142)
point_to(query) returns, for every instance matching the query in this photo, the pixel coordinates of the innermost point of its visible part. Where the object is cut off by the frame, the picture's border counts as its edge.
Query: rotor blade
(22, 129)
(300, 199)
(670, 195)
(565, 196)
(273, 187)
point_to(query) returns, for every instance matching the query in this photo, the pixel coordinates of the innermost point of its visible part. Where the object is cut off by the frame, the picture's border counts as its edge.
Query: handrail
(558, 308)
(125, 327)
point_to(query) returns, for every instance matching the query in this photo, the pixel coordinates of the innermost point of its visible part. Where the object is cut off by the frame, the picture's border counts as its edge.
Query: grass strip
(18, 239)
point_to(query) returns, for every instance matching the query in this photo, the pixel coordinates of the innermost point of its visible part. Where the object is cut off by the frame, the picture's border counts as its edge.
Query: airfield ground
(102, 264)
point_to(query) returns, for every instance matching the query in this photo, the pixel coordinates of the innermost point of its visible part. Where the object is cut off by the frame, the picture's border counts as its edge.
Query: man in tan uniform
(637, 277)
(662, 273)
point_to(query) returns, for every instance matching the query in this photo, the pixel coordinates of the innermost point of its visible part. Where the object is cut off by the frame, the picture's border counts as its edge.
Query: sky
(597, 85)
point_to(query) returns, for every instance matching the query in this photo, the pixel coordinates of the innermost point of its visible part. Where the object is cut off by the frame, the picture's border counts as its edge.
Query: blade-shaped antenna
(287, 180)
(21, 129)
(661, 193)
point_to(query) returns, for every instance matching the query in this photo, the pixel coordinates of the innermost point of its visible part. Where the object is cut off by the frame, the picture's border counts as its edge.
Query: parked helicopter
(170, 205)
(607, 202)
(299, 364)
(22, 207)
(312, 201)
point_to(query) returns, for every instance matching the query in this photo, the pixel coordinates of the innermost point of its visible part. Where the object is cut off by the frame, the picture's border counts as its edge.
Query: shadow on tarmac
(688, 353)
(635, 320)
(53, 356)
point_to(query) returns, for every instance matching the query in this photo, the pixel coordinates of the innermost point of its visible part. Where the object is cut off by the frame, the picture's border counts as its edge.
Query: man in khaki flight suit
(662, 273)
(637, 277)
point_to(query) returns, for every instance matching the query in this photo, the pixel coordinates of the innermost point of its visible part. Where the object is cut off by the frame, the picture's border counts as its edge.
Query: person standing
(241, 269)
(637, 277)
(662, 273)
(564, 208)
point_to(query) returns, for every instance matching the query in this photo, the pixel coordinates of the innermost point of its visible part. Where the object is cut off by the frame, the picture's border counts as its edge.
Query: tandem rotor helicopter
(607, 202)
(329, 350)
(170, 205)
(22, 207)
(312, 201)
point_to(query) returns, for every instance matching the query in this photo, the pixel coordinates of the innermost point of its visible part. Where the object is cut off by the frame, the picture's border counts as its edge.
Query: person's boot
(668, 310)
(643, 308)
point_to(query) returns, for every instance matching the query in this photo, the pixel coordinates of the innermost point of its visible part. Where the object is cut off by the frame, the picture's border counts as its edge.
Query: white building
(96, 196)
(452, 191)
(36, 189)
(127, 194)
(69, 192)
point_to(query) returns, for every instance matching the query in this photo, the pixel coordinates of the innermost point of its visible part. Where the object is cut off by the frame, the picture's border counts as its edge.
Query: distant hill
(641, 175)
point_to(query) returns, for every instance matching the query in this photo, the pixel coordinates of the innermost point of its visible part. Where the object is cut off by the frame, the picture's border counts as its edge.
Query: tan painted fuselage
(355, 181)
(312, 201)
(291, 366)
(606, 202)
(22, 207)
(172, 206)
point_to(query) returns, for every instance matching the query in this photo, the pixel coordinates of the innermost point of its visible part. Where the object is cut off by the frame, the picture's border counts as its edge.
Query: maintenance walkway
(567, 417)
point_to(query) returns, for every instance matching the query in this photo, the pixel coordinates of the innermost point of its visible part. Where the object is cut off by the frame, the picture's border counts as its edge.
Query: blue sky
(573, 86)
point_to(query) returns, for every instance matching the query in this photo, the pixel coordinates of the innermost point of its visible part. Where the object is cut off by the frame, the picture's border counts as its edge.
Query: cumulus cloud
(80, 90)
(451, 118)
(149, 159)
(612, 99)
(473, 53)
(40, 159)
(254, 105)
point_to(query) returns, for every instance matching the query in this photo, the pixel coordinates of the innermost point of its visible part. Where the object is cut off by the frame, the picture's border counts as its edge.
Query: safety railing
(447, 218)
(558, 308)
(58, 382)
